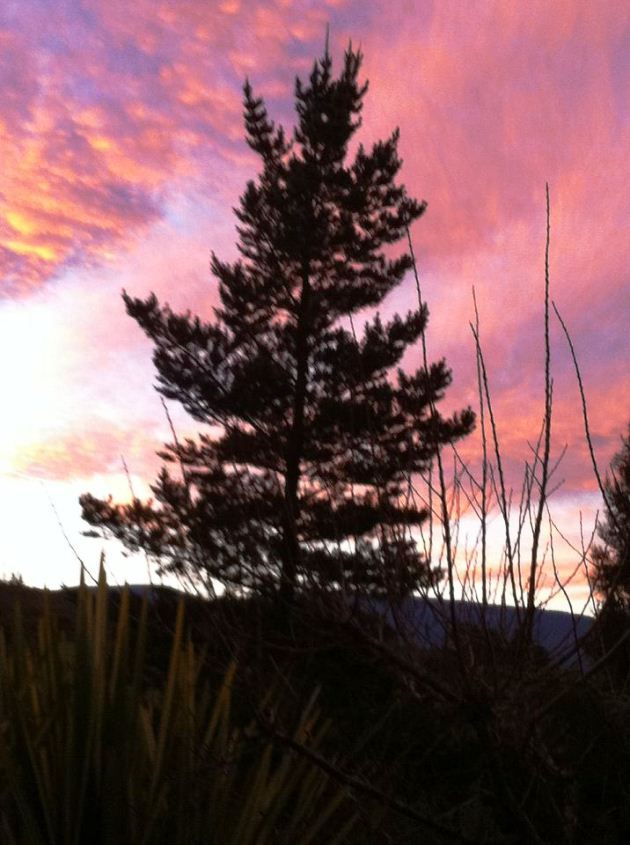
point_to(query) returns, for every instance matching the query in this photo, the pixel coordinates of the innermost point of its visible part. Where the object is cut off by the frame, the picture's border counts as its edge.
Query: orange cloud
(75, 455)
(95, 136)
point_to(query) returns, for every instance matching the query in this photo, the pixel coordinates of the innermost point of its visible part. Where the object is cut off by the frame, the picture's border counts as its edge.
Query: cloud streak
(108, 107)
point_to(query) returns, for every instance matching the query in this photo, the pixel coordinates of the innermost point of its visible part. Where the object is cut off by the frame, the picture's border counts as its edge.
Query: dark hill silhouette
(426, 621)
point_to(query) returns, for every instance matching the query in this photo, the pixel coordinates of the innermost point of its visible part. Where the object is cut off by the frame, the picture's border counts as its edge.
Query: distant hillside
(425, 621)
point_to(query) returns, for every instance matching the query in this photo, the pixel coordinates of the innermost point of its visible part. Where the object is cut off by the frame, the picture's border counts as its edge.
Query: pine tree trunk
(290, 544)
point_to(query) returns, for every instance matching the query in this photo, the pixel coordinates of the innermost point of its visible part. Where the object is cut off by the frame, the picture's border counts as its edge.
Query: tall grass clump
(92, 751)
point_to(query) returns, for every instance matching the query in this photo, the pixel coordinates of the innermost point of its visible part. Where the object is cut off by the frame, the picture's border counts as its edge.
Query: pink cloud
(130, 100)
(488, 112)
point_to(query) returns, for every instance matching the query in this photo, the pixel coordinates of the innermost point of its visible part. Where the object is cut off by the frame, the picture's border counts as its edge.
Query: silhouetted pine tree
(308, 479)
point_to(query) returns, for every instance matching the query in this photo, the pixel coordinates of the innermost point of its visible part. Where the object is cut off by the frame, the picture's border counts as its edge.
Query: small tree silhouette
(307, 480)
(611, 569)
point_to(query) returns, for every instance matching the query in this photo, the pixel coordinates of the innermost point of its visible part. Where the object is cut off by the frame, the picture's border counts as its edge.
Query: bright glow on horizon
(30, 348)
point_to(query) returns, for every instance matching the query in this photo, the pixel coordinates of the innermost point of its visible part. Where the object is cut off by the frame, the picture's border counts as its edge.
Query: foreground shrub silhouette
(92, 752)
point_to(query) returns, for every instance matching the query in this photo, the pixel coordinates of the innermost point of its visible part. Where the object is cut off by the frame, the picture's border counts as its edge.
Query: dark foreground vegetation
(301, 703)
(169, 719)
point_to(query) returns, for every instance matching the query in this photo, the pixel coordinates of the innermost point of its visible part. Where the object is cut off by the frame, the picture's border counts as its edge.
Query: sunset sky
(122, 156)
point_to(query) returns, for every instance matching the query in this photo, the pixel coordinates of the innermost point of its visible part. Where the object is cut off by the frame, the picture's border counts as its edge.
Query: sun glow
(29, 355)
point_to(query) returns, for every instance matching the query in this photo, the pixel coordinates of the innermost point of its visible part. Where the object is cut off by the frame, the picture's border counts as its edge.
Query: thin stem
(547, 443)
(484, 468)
